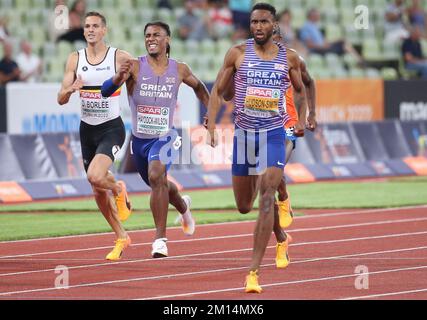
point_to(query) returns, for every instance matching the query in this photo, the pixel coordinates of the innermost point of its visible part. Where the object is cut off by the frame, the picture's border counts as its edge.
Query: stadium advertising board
(10, 168)
(11, 191)
(381, 168)
(415, 133)
(418, 164)
(375, 150)
(334, 143)
(32, 108)
(349, 100)
(35, 161)
(406, 100)
(400, 167)
(299, 173)
(65, 152)
(393, 138)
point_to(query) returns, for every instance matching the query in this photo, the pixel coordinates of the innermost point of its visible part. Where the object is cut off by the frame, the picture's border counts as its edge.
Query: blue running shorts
(254, 152)
(164, 149)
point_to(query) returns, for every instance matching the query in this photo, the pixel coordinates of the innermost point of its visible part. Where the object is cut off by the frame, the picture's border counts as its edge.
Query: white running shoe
(160, 250)
(187, 222)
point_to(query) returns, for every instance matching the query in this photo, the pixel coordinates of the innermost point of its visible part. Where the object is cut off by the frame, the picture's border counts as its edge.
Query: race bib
(261, 102)
(152, 120)
(93, 104)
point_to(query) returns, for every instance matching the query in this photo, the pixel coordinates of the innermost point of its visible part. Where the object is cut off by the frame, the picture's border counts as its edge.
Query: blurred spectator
(241, 11)
(79, 7)
(75, 33)
(54, 32)
(220, 23)
(413, 54)
(164, 4)
(312, 37)
(29, 64)
(4, 33)
(393, 26)
(288, 34)
(190, 25)
(417, 15)
(9, 70)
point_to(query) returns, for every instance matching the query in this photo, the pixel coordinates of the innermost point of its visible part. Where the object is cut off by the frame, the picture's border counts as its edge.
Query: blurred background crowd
(391, 44)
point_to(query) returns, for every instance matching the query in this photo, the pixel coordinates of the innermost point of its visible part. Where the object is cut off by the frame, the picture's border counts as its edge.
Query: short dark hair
(264, 6)
(160, 24)
(165, 27)
(96, 14)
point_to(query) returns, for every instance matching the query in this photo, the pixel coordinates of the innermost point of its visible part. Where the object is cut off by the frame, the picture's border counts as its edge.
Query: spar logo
(263, 93)
(90, 95)
(153, 110)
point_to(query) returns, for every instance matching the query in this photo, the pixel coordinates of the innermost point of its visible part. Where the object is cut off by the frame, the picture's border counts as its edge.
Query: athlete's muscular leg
(102, 182)
(99, 176)
(175, 198)
(108, 208)
(245, 191)
(281, 190)
(278, 231)
(289, 149)
(159, 200)
(283, 194)
(268, 185)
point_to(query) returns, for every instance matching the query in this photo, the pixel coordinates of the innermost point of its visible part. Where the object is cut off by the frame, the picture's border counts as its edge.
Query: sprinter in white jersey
(102, 132)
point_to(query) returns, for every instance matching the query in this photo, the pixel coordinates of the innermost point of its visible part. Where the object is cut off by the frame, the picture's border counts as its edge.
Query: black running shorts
(106, 138)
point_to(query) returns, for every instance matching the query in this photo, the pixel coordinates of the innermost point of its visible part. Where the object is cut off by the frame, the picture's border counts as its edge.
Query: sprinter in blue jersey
(262, 72)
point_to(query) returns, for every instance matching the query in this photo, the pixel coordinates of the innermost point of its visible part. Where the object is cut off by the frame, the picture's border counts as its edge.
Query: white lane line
(233, 259)
(346, 213)
(219, 252)
(92, 284)
(111, 233)
(222, 237)
(280, 283)
(313, 216)
(385, 294)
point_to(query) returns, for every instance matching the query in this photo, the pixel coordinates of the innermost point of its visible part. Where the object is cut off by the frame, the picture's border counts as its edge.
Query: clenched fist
(124, 72)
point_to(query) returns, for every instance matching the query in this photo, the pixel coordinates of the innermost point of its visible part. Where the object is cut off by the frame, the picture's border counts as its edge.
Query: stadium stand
(126, 19)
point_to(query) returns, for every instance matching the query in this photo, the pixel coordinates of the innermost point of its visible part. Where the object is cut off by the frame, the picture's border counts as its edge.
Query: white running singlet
(94, 108)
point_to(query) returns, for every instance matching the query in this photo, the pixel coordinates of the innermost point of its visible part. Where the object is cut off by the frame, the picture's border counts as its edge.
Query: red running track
(327, 249)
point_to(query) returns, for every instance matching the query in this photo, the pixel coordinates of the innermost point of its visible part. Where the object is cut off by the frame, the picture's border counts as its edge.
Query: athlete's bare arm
(127, 70)
(192, 81)
(300, 97)
(122, 57)
(232, 60)
(69, 84)
(311, 96)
